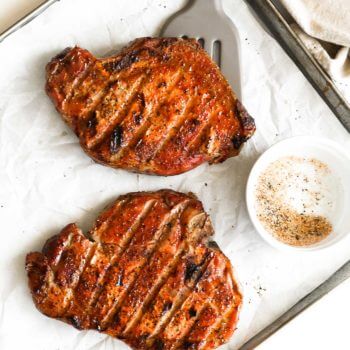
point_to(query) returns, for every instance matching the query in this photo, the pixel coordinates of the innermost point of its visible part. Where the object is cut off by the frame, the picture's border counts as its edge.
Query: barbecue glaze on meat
(161, 106)
(146, 274)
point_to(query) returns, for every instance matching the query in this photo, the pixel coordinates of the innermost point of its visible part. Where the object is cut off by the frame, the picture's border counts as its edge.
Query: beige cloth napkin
(328, 20)
(324, 28)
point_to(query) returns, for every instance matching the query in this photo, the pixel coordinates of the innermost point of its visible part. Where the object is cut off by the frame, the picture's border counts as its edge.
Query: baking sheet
(46, 181)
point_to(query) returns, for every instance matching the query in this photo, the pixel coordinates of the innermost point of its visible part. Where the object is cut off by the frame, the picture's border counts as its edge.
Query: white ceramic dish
(338, 162)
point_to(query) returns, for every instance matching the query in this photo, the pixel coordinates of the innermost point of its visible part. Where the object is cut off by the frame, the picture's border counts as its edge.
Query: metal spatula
(206, 21)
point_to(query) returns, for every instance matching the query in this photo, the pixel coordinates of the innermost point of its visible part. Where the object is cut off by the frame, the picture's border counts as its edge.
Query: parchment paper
(46, 181)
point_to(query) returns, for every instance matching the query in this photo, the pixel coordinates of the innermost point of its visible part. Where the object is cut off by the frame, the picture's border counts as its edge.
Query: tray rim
(26, 19)
(343, 272)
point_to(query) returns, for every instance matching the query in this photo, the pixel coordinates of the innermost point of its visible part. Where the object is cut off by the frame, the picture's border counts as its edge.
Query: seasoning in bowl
(293, 199)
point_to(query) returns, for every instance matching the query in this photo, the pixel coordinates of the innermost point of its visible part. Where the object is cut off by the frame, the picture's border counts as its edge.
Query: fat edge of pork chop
(146, 273)
(161, 106)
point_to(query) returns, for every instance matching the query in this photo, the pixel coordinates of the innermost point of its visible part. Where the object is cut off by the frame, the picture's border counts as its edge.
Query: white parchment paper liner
(46, 181)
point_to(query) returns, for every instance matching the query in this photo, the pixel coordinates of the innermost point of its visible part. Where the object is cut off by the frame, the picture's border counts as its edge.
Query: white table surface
(323, 326)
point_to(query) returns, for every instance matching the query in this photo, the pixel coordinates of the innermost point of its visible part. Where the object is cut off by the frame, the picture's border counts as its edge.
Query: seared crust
(147, 274)
(161, 106)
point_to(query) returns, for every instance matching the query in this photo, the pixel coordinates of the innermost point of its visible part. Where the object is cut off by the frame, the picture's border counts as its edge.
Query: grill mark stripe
(121, 113)
(92, 250)
(124, 246)
(83, 290)
(226, 315)
(51, 284)
(97, 232)
(232, 317)
(185, 292)
(68, 291)
(89, 256)
(180, 298)
(151, 111)
(180, 341)
(205, 126)
(218, 324)
(154, 291)
(66, 245)
(52, 268)
(77, 82)
(192, 143)
(99, 98)
(160, 128)
(208, 296)
(174, 127)
(101, 281)
(174, 213)
(196, 234)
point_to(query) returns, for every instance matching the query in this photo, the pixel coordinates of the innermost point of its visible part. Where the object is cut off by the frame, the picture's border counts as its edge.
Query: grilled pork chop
(146, 274)
(161, 106)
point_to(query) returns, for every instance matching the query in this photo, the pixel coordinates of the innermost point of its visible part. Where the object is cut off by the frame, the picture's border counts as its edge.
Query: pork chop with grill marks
(146, 274)
(161, 106)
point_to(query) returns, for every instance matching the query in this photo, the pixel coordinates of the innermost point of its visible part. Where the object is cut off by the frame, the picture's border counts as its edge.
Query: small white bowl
(338, 162)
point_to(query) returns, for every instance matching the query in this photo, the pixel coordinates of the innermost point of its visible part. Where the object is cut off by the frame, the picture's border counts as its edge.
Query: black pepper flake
(161, 84)
(169, 225)
(158, 344)
(91, 124)
(192, 312)
(191, 268)
(238, 140)
(166, 58)
(116, 318)
(141, 99)
(75, 322)
(125, 62)
(187, 345)
(195, 121)
(116, 139)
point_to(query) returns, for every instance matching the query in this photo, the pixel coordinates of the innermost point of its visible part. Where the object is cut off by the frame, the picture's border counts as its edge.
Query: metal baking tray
(277, 21)
(26, 19)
